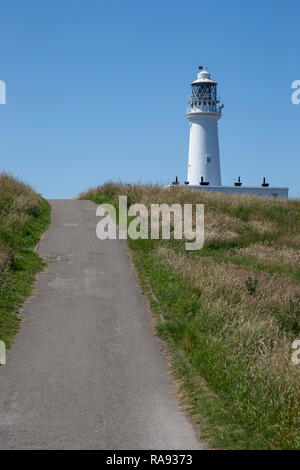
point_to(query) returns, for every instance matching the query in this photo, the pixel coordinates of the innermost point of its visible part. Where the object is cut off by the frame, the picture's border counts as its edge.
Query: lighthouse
(203, 114)
(204, 172)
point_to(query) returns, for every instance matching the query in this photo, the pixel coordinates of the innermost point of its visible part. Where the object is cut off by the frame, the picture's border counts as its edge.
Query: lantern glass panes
(204, 91)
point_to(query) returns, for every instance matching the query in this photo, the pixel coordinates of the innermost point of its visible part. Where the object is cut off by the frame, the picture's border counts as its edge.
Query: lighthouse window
(208, 159)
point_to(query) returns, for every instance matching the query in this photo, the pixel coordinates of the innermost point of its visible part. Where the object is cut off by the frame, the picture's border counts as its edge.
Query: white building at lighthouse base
(269, 191)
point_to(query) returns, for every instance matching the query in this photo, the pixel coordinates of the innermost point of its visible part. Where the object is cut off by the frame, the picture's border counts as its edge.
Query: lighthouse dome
(204, 75)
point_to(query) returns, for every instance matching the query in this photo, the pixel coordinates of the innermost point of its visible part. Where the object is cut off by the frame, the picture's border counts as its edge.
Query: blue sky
(97, 90)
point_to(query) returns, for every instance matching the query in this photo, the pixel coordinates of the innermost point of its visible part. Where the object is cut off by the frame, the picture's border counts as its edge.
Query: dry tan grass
(226, 281)
(226, 216)
(271, 254)
(16, 219)
(290, 240)
(221, 227)
(5, 260)
(248, 320)
(263, 226)
(148, 194)
(17, 196)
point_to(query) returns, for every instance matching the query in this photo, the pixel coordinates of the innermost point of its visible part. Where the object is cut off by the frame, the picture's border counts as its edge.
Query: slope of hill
(24, 216)
(229, 312)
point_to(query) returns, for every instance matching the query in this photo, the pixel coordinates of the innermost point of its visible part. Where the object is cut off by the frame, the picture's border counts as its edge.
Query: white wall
(255, 190)
(204, 143)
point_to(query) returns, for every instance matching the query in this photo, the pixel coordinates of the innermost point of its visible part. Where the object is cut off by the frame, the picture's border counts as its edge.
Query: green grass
(231, 345)
(24, 216)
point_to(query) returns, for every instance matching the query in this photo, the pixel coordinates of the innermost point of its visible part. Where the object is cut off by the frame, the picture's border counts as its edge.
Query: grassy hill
(24, 216)
(229, 312)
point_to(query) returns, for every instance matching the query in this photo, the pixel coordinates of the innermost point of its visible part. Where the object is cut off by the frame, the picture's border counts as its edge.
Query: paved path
(86, 370)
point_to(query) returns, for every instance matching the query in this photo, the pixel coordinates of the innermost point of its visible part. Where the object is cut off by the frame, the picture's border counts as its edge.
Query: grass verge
(24, 216)
(228, 312)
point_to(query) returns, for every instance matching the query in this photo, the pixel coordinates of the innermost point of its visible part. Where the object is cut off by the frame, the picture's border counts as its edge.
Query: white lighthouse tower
(203, 114)
(204, 172)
